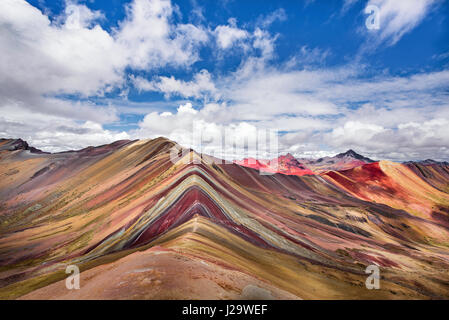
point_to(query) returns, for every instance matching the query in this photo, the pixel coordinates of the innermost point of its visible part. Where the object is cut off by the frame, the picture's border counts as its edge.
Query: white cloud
(256, 47)
(151, 41)
(354, 133)
(164, 123)
(228, 35)
(277, 15)
(332, 108)
(398, 18)
(187, 109)
(408, 140)
(53, 133)
(196, 129)
(273, 92)
(79, 16)
(347, 4)
(73, 55)
(328, 108)
(77, 56)
(201, 86)
(41, 57)
(308, 56)
(264, 42)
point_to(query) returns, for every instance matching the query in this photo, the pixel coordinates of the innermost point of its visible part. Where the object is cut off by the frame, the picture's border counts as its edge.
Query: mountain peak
(352, 154)
(288, 156)
(17, 144)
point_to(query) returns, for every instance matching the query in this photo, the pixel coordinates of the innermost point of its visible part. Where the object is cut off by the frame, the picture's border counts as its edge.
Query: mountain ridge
(17, 144)
(351, 153)
(14, 144)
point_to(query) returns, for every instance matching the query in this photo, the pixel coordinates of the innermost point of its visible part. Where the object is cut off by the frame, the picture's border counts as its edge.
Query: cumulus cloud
(323, 111)
(73, 55)
(151, 41)
(328, 107)
(41, 57)
(408, 140)
(52, 133)
(257, 45)
(229, 35)
(164, 123)
(79, 16)
(198, 129)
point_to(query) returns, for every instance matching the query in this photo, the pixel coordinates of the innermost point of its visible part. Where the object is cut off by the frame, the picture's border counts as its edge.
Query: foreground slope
(141, 226)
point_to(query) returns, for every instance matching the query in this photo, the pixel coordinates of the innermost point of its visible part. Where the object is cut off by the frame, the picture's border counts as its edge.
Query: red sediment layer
(191, 203)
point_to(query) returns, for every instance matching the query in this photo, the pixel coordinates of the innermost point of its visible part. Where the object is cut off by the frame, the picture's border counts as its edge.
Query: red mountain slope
(285, 164)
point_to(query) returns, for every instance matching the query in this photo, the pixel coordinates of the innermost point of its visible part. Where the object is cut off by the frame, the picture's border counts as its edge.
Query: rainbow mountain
(141, 226)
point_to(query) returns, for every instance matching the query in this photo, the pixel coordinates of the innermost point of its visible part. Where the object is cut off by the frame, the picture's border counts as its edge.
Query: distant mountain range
(342, 161)
(288, 164)
(140, 226)
(428, 162)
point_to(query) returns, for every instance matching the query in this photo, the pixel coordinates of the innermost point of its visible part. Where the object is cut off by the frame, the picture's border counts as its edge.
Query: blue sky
(79, 73)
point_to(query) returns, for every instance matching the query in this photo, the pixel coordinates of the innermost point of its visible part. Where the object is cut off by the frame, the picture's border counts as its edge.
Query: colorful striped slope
(140, 226)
